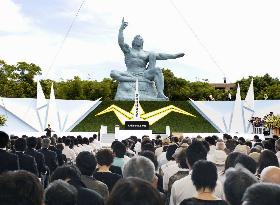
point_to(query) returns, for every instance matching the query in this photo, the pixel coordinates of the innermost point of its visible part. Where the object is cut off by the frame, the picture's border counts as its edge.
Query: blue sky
(242, 37)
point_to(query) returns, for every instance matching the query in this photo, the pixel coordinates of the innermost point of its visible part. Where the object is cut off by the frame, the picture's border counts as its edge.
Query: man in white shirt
(171, 167)
(184, 188)
(69, 153)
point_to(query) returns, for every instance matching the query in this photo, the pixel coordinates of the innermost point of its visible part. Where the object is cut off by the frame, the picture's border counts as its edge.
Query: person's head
(46, 143)
(256, 138)
(147, 146)
(104, 157)
(237, 181)
(247, 162)
(49, 125)
(85, 141)
(230, 145)
(170, 151)
(137, 42)
(134, 191)
(210, 140)
(4, 139)
(31, 142)
(20, 188)
(267, 158)
(262, 194)
(220, 145)
(277, 145)
(20, 145)
(140, 167)
(271, 174)
(60, 192)
(119, 149)
(151, 156)
(94, 136)
(86, 163)
(196, 151)
(67, 142)
(204, 176)
(53, 141)
(59, 146)
(181, 158)
(66, 172)
(231, 159)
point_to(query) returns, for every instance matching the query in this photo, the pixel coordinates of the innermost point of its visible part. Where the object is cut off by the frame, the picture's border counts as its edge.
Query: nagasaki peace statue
(140, 65)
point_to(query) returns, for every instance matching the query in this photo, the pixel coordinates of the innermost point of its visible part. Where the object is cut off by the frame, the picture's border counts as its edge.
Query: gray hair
(237, 180)
(140, 167)
(46, 143)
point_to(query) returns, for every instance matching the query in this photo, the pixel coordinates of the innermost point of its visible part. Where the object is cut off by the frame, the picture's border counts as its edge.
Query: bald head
(271, 174)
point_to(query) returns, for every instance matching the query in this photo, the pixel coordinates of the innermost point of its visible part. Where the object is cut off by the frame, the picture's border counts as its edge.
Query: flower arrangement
(272, 121)
(3, 119)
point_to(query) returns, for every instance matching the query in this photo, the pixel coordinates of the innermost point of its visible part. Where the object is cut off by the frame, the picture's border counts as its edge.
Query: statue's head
(137, 42)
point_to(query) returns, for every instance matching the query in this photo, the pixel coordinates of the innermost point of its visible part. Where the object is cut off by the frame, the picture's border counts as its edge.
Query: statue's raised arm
(122, 44)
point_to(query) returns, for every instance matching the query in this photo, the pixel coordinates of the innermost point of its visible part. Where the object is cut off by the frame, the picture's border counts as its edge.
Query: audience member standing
(8, 161)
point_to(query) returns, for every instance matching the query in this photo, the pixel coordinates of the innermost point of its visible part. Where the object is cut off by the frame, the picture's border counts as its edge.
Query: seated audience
(86, 163)
(26, 162)
(262, 194)
(20, 188)
(119, 151)
(171, 167)
(39, 157)
(183, 168)
(69, 153)
(267, 158)
(104, 159)
(50, 156)
(237, 181)
(142, 168)
(8, 161)
(60, 192)
(247, 162)
(204, 177)
(134, 191)
(72, 175)
(271, 174)
(184, 188)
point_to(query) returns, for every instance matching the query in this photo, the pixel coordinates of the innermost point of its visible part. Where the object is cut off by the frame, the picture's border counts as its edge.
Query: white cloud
(242, 36)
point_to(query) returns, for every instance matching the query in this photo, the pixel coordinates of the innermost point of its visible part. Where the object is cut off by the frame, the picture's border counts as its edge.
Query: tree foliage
(18, 81)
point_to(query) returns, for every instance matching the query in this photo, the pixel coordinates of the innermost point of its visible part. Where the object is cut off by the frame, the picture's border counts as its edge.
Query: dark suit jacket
(40, 160)
(27, 163)
(85, 195)
(8, 161)
(50, 159)
(61, 158)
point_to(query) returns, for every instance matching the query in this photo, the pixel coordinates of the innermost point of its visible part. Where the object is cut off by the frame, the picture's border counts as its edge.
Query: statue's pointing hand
(179, 55)
(124, 24)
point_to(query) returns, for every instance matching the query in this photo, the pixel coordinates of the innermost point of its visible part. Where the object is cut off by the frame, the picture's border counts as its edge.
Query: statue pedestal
(147, 91)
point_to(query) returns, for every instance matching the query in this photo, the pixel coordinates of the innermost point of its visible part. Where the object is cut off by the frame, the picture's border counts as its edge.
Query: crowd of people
(173, 171)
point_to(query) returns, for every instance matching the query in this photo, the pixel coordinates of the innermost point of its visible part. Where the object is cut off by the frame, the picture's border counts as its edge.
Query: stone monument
(140, 65)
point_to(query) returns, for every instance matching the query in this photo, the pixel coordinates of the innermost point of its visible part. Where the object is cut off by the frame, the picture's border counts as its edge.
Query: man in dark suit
(26, 162)
(50, 156)
(8, 161)
(39, 157)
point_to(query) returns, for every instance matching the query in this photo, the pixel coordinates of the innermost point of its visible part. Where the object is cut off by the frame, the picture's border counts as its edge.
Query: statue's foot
(162, 96)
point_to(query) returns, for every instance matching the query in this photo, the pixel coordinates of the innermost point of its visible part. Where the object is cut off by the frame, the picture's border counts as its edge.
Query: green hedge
(177, 122)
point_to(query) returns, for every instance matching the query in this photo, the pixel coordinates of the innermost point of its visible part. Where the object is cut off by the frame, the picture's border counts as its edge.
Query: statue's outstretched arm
(165, 56)
(122, 44)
